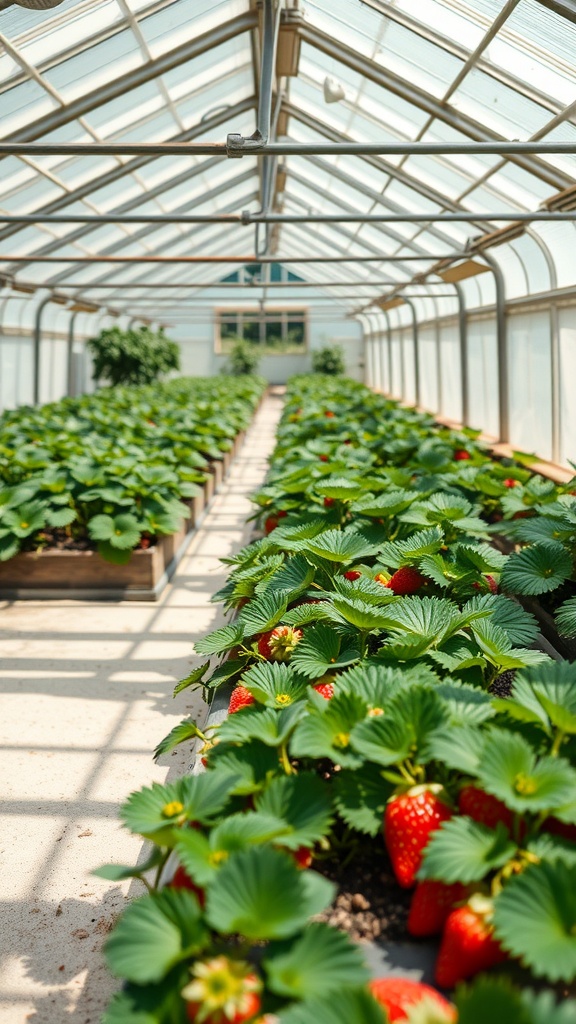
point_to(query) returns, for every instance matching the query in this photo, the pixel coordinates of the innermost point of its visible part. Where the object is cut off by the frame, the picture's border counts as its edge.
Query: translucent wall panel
(16, 374)
(377, 363)
(530, 382)
(409, 366)
(483, 376)
(384, 363)
(369, 367)
(53, 369)
(428, 363)
(450, 372)
(567, 328)
(397, 375)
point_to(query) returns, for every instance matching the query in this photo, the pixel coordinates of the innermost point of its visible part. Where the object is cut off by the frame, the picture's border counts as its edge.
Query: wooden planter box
(53, 574)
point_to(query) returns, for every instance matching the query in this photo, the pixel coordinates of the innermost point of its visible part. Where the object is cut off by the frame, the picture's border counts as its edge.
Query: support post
(502, 346)
(37, 342)
(463, 336)
(412, 308)
(70, 354)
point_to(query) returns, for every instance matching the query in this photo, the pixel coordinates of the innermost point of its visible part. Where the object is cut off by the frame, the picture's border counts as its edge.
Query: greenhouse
(288, 511)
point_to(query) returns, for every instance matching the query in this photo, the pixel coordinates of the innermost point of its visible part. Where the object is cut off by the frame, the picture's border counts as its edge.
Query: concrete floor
(86, 695)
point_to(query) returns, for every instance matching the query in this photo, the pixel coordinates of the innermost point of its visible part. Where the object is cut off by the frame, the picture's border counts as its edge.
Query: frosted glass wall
(450, 372)
(567, 374)
(428, 363)
(530, 382)
(396, 343)
(483, 375)
(409, 366)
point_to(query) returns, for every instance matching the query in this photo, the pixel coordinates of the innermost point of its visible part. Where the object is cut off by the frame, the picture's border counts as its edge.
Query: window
(273, 331)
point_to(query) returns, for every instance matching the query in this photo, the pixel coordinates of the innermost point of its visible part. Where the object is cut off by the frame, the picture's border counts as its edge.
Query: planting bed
(99, 493)
(396, 770)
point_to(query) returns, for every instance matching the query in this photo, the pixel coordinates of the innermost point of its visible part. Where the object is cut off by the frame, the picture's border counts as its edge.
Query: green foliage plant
(132, 357)
(243, 359)
(329, 360)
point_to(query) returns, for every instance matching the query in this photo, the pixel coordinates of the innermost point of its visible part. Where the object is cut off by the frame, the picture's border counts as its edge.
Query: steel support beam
(146, 72)
(502, 349)
(412, 309)
(463, 346)
(248, 218)
(498, 147)
(229, 259)
(435, 108)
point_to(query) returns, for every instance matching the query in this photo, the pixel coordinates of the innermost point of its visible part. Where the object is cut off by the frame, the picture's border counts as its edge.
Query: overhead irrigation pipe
(238, 146)
(287, 218)
(30, 258)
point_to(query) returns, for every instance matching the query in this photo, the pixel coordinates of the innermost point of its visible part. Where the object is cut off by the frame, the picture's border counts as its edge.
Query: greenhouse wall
(540, 339)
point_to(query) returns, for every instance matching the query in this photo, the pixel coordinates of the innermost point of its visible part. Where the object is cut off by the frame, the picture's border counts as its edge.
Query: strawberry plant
(113, 469)
(373, 634)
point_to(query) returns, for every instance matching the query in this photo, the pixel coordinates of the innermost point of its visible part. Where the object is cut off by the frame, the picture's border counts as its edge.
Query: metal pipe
(238, 148)
(228, 259)
(36, 348)
(187, 285)
(502, 345)
(69, 354)
(463, 340)
(412, 308)
(248, 218)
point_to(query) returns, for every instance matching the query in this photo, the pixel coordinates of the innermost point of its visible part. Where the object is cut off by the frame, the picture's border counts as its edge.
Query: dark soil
(370, 904)
(58, 540)
(502, 685)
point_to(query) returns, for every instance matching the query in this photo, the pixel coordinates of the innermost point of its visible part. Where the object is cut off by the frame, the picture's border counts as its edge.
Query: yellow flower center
(24, 526)
(171, 809)
(375, 712)
(341, 739)
(525, 785)
(283, 698)
(218, 857)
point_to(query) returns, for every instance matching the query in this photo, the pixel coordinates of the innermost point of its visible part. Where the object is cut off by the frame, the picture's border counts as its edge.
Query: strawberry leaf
(263, 613)
(403, 552)
(566, 618)
(463, 850)
(302, 803)
(186, 730)
(340, 546)
(275, 685)
(458, 747)
(250, 764)
(510, 771)
(537, 569)
(194, 678)
(220, 640)
(339, 1007)
(203, 855)
(361, 797)
(320, 652)
(265, 724)
(153, 934)
(535, 919)
(326, 732)
(261, 894)
(319, 961)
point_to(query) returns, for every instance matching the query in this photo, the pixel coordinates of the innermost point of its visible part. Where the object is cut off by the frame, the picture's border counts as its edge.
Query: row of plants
(114, 470)
(387, 699)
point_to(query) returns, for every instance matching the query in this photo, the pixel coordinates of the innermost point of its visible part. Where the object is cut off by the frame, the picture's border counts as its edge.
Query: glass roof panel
(95, 66)
(500, 108)
(24, 103)
(184, 20)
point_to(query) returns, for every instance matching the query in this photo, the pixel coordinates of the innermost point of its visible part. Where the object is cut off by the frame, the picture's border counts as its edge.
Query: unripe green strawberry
(279, 643)
(468, 945)
(409, 821)
(400, 997)
(432, 902)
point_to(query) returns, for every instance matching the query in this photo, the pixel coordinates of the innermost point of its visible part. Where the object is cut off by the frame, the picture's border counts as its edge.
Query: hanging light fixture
(333, 90)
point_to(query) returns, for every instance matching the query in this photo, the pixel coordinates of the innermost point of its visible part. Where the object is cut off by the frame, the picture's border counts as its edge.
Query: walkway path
(87, 694)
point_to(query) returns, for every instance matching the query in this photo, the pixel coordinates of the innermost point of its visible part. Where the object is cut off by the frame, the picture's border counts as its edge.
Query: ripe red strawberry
(406, 580)
(352, 574)
(560, 828)
(329, 414)
(510, 482)
(468, 945)
(400, 996)
(240, 698)
(273, 520)
(461, 455)
(323, 458)
(326, 688)
(491, 582)
(409, 821)
(222, 991)
(278, 643)
(484, 807)
(431, 904)
(181, 880)
(328, 502)
(302, 856)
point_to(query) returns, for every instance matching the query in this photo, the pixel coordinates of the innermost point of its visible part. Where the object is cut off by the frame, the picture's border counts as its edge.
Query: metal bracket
(239, 145)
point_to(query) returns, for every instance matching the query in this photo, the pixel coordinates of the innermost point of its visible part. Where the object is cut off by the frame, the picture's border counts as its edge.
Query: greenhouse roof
(400, 76)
